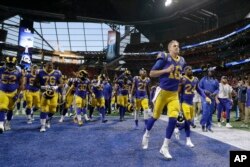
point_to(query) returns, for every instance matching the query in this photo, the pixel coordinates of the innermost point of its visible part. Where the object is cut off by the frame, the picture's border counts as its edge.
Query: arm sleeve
(158, 65)
(217, 88)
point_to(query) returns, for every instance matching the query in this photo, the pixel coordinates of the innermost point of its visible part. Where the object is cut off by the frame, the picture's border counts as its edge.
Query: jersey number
(189, 89)
(176, 74)
(50, 80)
(8, 79)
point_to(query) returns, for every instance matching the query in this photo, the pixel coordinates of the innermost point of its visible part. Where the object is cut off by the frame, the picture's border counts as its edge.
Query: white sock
(79, 117)
(145, 114)
(1, 123)
(166, 142)
(43, 122)
(147, 132)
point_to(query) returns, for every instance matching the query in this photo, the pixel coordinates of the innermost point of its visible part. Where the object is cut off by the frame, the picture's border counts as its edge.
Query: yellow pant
(49, 105)
(32, 99)
(122, 100)
(141, 103)
(188, 111)
(6, 100)
(169, 98)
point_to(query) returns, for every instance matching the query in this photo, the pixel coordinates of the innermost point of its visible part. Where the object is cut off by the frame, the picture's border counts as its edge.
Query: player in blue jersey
(81, 87)
(68, 96)
(123, 86)
(140, 90)
(187, 86)
(32, 93)
(11, 83)
(210, 85)
(97, 88)
(168, 68)
(48, 80)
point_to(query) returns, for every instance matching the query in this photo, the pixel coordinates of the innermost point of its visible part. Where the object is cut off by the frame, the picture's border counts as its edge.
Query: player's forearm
(156, 73)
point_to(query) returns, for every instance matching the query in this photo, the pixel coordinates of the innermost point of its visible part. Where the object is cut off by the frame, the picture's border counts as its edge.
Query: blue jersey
(169, 81)
(107, 90)
(188, 88)
(51, 79)
(97, 87)
(141, 86)
(30, 82)
(9, 80)
(209, 85)
(248, 97)
(124, 84)
(152, 92)
(81, 87)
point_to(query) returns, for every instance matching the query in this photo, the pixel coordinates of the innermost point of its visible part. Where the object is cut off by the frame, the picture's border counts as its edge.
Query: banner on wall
(113, 45)
(26, 40)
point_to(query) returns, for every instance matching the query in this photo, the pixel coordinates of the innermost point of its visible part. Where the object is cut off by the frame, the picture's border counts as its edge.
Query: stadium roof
(151, 17)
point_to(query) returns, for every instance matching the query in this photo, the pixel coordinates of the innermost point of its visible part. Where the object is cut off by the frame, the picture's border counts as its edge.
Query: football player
(32, 93)
(81, 87)
(187, 86)
(97, 88)
(67, 95)
(48, 80)
(11, 83)
(123, 86)
(168, 68)
(140, 89)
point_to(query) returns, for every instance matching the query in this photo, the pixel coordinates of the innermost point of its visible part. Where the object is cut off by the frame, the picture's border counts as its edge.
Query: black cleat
(104, 121)
(203, 129)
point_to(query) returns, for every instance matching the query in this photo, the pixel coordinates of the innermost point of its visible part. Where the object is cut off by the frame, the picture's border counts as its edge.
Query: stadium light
(168, 2)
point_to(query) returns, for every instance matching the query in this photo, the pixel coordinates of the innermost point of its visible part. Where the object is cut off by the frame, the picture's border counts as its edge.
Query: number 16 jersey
(169, 81)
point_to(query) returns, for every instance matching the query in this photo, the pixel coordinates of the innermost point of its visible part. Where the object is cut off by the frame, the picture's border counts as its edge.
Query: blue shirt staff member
(168, 68)
(210, 85)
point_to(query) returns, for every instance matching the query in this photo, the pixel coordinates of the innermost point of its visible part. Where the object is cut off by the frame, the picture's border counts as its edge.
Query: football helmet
(130, 108)
(142, 71)
(180, 118)
(82, 74)
(64, 77)
(10, 62)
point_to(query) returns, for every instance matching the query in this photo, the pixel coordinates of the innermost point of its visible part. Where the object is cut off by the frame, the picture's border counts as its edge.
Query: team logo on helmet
(130, 108)
(180, 118)
(10, 62)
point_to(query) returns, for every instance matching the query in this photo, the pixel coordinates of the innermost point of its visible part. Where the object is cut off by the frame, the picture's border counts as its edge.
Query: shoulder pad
(162, 55)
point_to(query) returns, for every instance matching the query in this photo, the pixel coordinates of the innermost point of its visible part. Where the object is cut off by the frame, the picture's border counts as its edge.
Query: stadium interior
(199, 22)
(110, 37)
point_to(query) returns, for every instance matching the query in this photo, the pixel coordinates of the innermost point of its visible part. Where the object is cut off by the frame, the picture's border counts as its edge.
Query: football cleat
(80, 123)
(104, 121)
(47, 124)
(61, 120)
(189, 143)
(145, 140)
(29, 121)
(228, 125)
(1, 129)
(7, 126)
(75, 120)
(165, 152)
(86, 117)
(42, 129)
